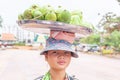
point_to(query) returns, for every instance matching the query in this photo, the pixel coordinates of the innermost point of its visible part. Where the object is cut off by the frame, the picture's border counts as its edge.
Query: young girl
(58, 54)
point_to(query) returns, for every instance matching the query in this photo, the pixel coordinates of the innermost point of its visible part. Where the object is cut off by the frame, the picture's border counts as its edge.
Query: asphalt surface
(28, 64)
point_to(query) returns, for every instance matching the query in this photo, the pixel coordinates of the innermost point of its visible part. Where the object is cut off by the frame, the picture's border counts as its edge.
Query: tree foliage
(92, 39)
(110, 22)
(113, 39)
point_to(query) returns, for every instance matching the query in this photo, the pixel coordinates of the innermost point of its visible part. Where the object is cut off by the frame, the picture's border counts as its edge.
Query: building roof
(7, 37)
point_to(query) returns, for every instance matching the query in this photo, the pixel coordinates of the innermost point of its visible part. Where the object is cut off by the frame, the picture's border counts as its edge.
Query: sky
(9, 9)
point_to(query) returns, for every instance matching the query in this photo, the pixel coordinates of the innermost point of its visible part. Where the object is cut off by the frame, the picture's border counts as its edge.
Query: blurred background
(99, 52)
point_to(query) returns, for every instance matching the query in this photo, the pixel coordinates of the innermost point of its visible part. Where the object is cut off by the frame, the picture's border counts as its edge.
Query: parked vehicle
(94, 48)
(88, 47)
(107, 50)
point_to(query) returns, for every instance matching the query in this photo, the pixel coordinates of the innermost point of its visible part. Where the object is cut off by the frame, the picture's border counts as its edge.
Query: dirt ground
(21, 64)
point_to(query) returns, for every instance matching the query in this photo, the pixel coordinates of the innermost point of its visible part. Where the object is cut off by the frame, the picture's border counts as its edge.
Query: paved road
(27, 65)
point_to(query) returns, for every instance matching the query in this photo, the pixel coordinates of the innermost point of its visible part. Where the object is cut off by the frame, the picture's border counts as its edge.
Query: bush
(19, 44)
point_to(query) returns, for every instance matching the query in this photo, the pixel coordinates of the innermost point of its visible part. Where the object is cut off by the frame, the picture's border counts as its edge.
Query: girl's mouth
(61, 62)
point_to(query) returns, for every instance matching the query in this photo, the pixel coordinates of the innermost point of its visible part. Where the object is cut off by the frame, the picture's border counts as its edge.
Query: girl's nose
(61, 56)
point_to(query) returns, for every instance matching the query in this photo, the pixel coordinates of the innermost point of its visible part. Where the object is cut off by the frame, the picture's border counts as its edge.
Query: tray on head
(43, 26)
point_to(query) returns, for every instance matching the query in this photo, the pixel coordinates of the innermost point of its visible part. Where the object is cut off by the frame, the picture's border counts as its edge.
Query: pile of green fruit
(47, 12)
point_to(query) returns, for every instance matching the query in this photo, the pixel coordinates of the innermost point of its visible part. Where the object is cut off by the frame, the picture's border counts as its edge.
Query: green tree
(110, 22)
(92, 39)
(113, 39)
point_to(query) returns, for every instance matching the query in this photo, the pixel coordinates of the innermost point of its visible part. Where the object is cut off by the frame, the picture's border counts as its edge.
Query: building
(7, 39)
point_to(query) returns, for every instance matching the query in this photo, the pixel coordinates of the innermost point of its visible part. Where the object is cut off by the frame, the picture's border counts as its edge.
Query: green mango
(28, 14)
(77, 12)
(34, 6)
(64, 16)
(20, 17)
(51, 16)
(75, 19)
(58, 11)
(46, 8)
(37, 14)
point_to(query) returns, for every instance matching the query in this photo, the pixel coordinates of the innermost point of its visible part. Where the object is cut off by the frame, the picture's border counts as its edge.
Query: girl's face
(58, 59)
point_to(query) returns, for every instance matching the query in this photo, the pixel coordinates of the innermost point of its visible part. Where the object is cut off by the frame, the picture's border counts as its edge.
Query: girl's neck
(57, 74)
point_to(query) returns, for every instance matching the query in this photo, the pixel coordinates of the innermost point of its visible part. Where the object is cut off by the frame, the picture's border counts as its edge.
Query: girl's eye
(54, 53)
(67, 53)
